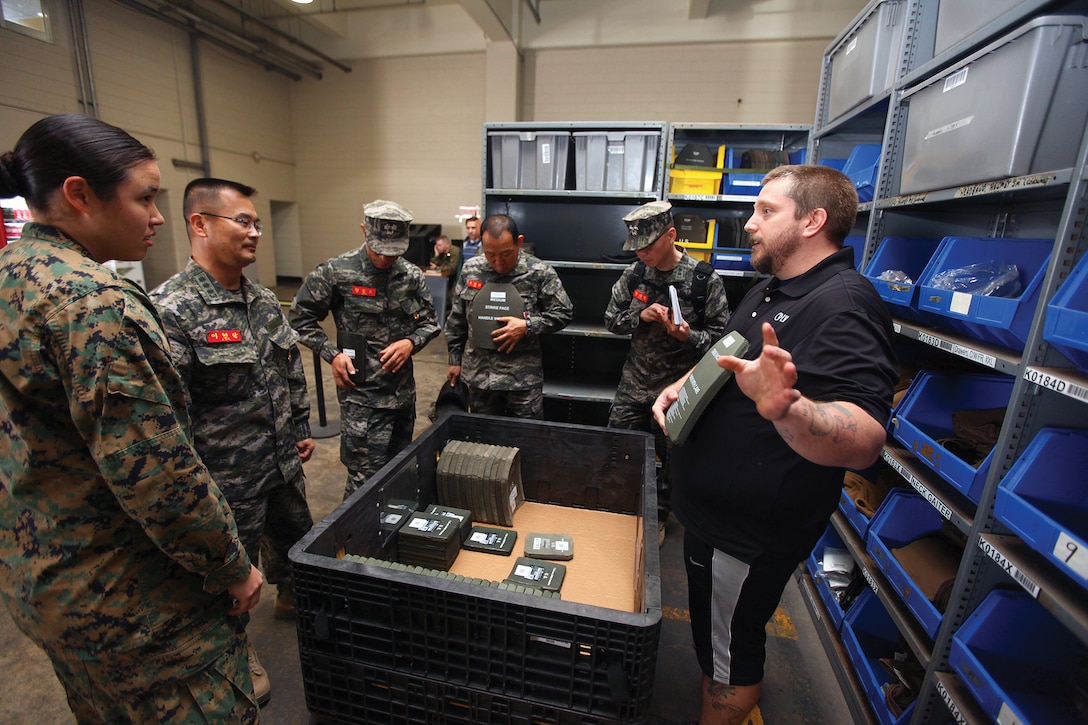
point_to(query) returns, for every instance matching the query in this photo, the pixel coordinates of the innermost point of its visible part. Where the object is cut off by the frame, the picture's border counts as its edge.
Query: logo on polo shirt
(781, 317)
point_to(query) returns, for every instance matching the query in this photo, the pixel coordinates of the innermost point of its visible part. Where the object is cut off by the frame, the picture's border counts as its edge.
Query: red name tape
(364, 291)
(225, 336)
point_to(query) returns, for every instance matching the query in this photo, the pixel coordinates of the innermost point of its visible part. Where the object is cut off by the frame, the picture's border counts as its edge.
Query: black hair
(58, 147)
(496, 224)
(200, 192)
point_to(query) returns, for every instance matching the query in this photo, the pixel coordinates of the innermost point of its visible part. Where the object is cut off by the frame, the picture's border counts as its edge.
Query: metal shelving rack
(1047, 390)
(576, 231)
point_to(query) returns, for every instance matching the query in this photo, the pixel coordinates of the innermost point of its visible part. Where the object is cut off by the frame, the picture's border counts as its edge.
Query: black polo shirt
(736, 484)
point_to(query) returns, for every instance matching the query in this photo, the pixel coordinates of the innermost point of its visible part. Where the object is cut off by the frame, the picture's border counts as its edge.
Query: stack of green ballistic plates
(483, 478)
(549, 546)
(491, 541)
(537, 573)
(463, 517)
(429, 540)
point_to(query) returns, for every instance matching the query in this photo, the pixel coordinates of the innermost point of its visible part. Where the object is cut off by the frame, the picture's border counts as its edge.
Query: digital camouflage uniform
(117, 547)
(655, 358)
(507, 383)
(247, 389)
(377, 418)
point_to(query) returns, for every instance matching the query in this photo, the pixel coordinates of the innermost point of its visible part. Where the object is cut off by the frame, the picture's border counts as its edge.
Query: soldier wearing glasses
(384, 314)
(242, 367)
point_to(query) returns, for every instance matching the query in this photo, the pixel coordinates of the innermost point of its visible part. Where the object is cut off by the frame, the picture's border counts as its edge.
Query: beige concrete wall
(407, 129)
(765, 82)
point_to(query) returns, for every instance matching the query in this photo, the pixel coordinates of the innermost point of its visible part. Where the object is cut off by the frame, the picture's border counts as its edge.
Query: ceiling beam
(497, 23)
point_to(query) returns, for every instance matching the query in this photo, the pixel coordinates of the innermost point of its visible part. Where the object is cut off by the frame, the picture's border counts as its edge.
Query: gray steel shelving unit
(575, 230)
(1047, 389)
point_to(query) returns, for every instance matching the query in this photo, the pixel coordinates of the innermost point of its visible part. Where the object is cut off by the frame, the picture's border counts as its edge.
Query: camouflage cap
(386, 224)
(646, 224)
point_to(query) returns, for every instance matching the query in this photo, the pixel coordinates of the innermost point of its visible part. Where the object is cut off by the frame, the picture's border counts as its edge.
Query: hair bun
(9, 183)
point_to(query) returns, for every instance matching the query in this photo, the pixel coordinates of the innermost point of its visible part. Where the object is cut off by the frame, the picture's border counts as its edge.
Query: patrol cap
(386, 224)
(646, 224)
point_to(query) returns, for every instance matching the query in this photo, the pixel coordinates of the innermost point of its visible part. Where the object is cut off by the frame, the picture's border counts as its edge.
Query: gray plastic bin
(864, 63)
(1013, 108)
(529, 159)
(615, 160)
(958, 19)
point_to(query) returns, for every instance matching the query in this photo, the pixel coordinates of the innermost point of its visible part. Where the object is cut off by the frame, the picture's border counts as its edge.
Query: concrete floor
(799, 686)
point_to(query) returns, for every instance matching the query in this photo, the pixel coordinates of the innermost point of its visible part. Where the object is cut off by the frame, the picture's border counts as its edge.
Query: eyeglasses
(243, 220)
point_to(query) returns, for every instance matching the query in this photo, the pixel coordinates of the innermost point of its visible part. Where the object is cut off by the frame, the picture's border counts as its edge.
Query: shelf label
(918, 486)
(869, 578)
(1070, 552)
(897, 328)
(907, 200)
(1056, 383)
(975, 356)
(1017, 182)
(931, 497)
(1005, 716)
(953, 708)
(1021, 578)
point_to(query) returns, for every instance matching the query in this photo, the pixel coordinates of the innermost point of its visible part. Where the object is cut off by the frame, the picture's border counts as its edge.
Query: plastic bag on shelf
(982, 278)
(895, 276)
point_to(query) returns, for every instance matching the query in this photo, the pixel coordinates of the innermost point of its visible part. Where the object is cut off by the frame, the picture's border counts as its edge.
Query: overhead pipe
(286, 36)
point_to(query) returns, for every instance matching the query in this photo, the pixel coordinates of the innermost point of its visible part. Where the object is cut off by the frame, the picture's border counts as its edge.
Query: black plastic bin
(360, 625)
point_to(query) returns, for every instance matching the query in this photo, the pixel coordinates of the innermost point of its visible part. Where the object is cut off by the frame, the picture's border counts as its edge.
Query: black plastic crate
(387, 696)
(564, 655)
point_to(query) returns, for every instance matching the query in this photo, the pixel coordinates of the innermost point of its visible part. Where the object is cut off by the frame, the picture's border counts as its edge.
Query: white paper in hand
(677, 316)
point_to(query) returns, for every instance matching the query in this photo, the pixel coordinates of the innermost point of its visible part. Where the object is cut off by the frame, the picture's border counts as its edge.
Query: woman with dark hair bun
(118, 554)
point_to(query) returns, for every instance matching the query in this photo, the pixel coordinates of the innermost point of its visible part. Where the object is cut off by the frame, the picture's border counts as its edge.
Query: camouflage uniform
(117, 547)
(655, 358)
(507, 383)
(247, 392)
(378, 416)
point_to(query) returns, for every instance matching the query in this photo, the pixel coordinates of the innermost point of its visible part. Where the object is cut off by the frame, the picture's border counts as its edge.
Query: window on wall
(26, 16)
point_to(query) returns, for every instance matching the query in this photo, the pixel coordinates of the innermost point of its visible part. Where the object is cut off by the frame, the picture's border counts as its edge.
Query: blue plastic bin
(1003, 321)
(738, 261)
(1012, 653)
(1043, 498)
(858, 245)
(814, 565)
(924, 416)
(911, 255)
(1066, 326)
(739, 183)
(904, 517)
(861, 167)
(868, 634)
(858, 521)
(833, 163)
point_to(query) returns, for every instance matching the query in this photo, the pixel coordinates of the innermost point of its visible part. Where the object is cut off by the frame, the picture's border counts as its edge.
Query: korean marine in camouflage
(117, 546)
(641, 307)
(511, 381)
(371, 291)
(242, 367)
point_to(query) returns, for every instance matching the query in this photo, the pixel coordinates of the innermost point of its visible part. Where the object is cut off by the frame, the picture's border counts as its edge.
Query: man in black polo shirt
(760, 475)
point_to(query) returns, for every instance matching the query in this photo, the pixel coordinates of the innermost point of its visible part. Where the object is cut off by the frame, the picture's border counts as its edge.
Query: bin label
(949, 127)
(955, 80)
(961, 303)
(1070, 552)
